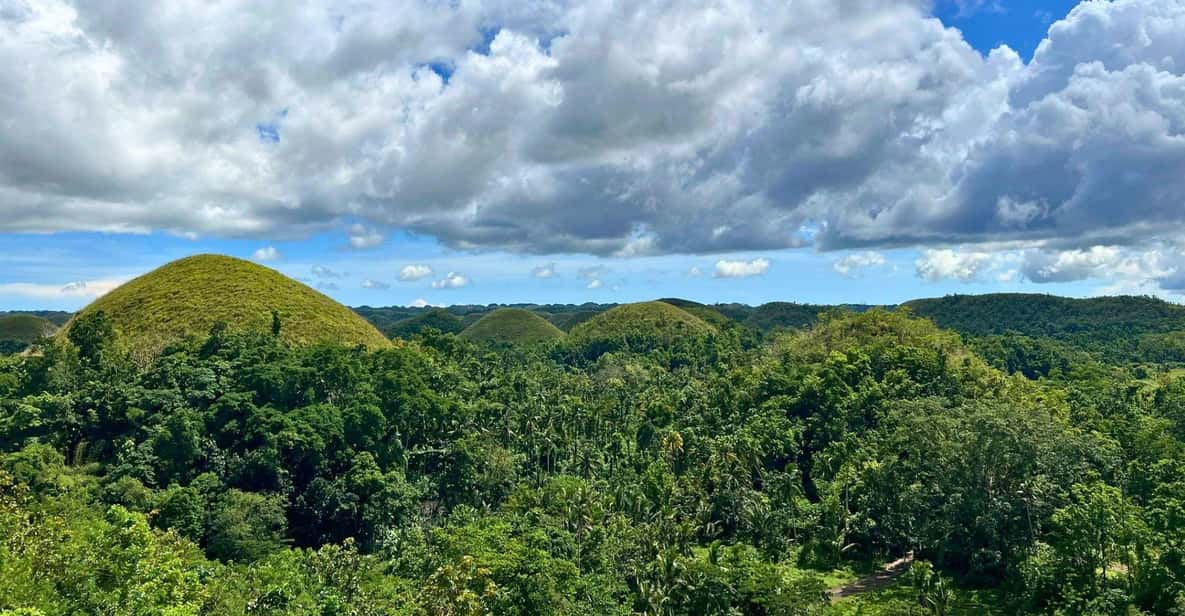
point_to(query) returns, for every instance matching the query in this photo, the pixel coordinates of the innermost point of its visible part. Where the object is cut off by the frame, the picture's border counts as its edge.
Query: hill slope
(187, 297)
(638, 328)
(25, 328)
(514, 325)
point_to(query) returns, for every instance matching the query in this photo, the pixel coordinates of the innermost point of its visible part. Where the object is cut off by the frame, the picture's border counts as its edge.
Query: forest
(647, 462)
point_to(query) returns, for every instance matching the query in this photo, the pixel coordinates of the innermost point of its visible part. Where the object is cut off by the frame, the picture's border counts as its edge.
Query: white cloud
(362, 237)
(595, 283)
(375, 285)
(1070, 265)
(411, 273)
(320, 271)
(544, 272)
(267, 253)
(78, 289)
(721, 126)
(849, 265)
(947, 264)
(451, 281)
(741, 269)
(694, 272)
(420, 303)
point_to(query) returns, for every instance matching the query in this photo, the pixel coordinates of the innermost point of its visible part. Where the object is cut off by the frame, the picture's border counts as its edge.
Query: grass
(513, 325)
(658, 320)
(900, 599)
(25, 328)
(185, 298)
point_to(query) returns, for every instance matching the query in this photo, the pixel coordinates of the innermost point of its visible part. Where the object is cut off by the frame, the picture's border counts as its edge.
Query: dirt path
(887, 575)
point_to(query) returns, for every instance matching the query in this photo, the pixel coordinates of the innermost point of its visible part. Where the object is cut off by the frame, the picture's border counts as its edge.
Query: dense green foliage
(435, 318)
(648, 463)
(185, 298)
(513, 326)
(1130, 329)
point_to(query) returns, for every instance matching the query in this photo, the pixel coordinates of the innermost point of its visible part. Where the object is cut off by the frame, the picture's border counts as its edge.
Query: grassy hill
(18, 331)
(638, 328)
(187, 297)
(708, 314)
(567, 320)
(25, 328)
(513, 325)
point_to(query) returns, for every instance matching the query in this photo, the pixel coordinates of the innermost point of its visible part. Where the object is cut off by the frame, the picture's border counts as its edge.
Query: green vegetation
(186, 298)
(649, 463)
(512, 325)
(1117, 329)
(567, 320)
(436, 318)
(18, 331)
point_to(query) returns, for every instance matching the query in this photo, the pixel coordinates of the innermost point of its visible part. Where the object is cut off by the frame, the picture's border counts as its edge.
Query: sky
(414, 152)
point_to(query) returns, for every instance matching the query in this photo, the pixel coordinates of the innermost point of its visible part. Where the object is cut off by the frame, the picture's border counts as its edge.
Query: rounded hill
(707, 313)
(25, 328)
(185, 298)
(639, 327)
(513, 325)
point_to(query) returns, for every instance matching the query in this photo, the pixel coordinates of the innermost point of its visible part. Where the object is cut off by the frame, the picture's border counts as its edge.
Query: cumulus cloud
(1070, 265)
(320, 271)
(722, 126)
(362, 237)
(420, 303)
(267, 253)
(411, 273)
(948, 264)
(451, 281)
(851, 264)
(375, 285)
(595, 283)
(741, 269)
(544, 272)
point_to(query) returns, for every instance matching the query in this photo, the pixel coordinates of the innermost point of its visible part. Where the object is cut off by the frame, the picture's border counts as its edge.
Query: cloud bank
(606, 128)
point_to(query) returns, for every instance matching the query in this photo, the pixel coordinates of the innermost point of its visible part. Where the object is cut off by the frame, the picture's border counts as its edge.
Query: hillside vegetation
(512, 325)
(1123, 328)
(185, 298)
(650, 463)
(434, 318)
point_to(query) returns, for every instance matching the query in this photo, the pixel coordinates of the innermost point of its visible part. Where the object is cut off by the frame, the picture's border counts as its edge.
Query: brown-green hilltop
(185, 298)
(513, 325)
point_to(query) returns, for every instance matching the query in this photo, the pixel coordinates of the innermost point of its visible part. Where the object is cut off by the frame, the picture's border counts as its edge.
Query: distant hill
(18, 331)
(783, 315)
(709, 314)
(512, 325)
(57, 317)
(638, 327)
(567, 320)
(25, 327)
(434, 318)
(185, 298)
(1121, 328)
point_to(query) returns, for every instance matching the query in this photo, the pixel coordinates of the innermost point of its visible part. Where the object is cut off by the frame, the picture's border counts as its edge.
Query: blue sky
(528, 156)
